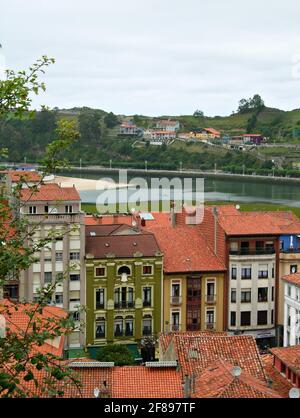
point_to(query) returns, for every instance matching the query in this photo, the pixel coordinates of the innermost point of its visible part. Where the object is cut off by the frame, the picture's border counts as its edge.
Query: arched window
(124, 269)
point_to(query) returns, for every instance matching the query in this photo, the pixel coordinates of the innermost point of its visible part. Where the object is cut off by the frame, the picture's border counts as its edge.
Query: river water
(215, 190)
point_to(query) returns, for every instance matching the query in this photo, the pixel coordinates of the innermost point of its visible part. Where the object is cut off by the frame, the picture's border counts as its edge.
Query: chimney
(215, 214)
(187, 387)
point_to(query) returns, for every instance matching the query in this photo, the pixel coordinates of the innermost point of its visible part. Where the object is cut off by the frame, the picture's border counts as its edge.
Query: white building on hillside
(291, 309)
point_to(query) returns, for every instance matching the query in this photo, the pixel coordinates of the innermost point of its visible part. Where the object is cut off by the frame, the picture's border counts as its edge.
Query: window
(273, 271)
(262, 318)
(124, 270)
(58, 256)
(273, 290)
(75, 256)
(289, 290)
(193, 290)
(210, 292)
(124, 297)
(233, 319)
(146, 296)
(245, 318)
(47, 277)
(129, 326)
(272, 316)
(147, 270)
(293, 268)
(32, 210)
(263, 272)
(59, 298)
(193, 318)
(244, 247)
(74, 277)
(47, 258)
(46, 208)
(100, 328)
(246, 273)
(233, 273)
(210, 319)
(175, 321)
(100, 271)
(175, 291)
(147, 325)
(262, 294)
(100, 299)
(259, 246)
(245, 296)
(233, 296)
(118, 327)
(11, 292)
(234, 247)
(68, 208)
(76, 316)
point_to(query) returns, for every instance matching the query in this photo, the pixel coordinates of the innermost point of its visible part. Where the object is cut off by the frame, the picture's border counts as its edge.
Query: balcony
(211, 326)
(210, 299)
(193, 327)
(99, 305)
(256, 251)
(175, 327)
(147, 303)
(176, 300)
(124, 305)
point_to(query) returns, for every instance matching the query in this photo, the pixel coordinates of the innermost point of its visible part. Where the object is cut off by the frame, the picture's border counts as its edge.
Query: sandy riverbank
(87, 184)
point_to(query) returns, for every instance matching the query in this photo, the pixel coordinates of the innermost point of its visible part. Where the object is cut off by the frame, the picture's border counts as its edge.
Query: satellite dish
(236, 371)
(294, 393)
(237, 207)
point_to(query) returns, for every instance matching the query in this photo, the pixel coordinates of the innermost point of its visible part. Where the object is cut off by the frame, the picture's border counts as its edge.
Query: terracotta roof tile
(146, 382)
(290, 356)
(292, 278)
(218, 381)
(279, 383)
(28, 176)
(50, 192)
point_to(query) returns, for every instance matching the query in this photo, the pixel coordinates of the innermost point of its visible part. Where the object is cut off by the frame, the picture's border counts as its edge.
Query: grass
(91, 208)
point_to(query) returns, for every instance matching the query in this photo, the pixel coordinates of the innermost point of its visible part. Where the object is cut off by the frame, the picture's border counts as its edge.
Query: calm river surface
(216, 190)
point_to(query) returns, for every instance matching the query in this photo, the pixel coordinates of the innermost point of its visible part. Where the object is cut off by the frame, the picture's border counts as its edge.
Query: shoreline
(87, 184)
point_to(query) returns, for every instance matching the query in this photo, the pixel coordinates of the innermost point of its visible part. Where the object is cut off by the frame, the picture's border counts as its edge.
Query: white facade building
(291, 309)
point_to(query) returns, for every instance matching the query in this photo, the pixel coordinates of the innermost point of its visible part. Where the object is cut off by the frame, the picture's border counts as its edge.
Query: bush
(118, 353)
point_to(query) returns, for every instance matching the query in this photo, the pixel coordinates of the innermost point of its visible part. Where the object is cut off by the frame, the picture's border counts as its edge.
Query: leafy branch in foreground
(26, 367)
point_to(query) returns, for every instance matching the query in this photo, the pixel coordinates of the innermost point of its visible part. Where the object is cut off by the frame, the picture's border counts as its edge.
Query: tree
(24, 370)
(255, 103)
(198, 114)
(111, 120)
(118, 353)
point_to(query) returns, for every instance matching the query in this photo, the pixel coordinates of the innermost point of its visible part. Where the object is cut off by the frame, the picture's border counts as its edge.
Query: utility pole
(110, 162)
(146, 165)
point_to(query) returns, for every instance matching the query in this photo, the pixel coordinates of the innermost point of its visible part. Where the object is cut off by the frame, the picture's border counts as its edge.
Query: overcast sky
(158, 56)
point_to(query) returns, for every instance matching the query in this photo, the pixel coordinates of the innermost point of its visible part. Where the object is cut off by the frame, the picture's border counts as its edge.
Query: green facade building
(123, 286)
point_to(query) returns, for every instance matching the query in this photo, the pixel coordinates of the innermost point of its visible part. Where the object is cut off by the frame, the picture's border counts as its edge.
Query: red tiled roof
(217, 381)
(120, 241)
(259, 223)
(290, 356)
(279, 383)
(146, 382)
(292, 278)
(213, 131)
(17, 320)
(28, 176)
(196, 353)
(183, 246)
(50, 192)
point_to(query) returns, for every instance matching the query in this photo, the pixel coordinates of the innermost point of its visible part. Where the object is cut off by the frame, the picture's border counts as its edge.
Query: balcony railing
(176, 300)
(124, 305)
(99, 305)
(175, 327)
(210, 298)
(146, 303)
(256, 251)
(210, 326)
(290, 251)
(193, 327)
